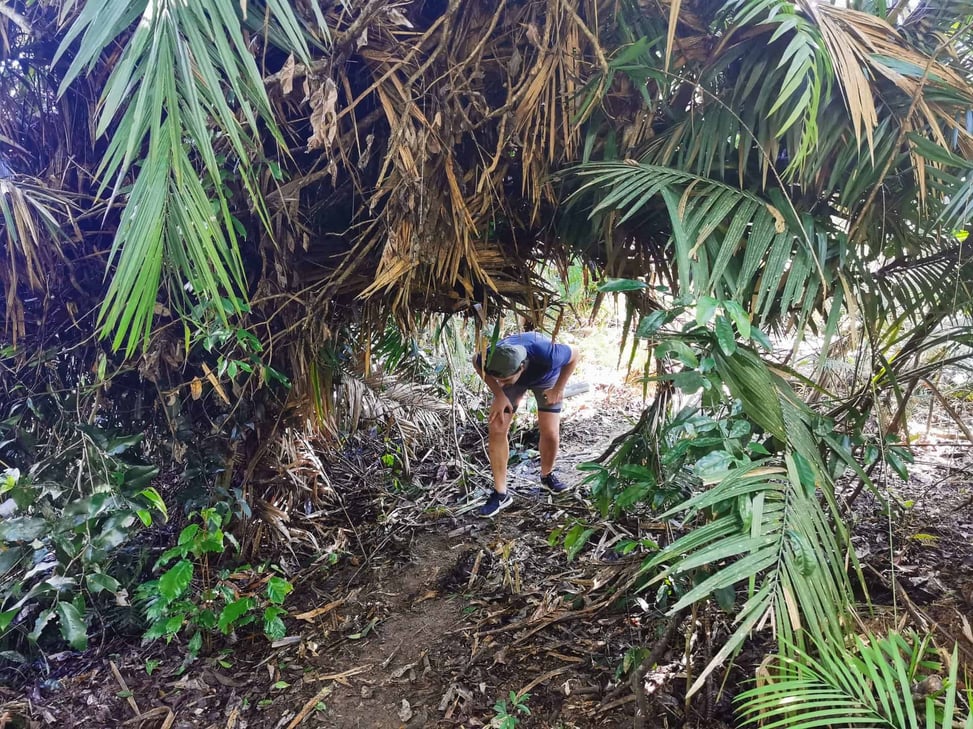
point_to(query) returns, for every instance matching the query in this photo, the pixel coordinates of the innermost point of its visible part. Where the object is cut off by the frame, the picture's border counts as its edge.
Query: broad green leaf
(724, 335)
(689, 381)
(615, 285)
(23, 529)
(99, 581)
(651, 323)
(278, 589)
(155, 500)
(740, 318)
(188, 534)
(274, 627)
(117, 446)
(195, 644)
(73, 628)
(6, 618)
(576, 539)
(682, 351)
(233, 612)
(712, 464)
(175, 581)
(139, 476)
(705, 309)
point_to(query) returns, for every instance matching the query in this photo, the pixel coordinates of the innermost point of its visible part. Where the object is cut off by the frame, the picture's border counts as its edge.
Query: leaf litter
(431, 616)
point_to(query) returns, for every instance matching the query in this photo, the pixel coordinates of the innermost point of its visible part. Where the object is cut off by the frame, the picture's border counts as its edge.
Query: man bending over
(516, 364)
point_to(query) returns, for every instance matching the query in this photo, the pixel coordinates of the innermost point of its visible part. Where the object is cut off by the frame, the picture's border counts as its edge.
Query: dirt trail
(442, 654)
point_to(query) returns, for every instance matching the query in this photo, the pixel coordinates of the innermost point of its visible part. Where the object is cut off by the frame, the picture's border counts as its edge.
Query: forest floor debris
(434, 618)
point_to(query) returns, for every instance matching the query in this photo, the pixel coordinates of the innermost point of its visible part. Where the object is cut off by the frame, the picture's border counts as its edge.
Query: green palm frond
(768, 529)
(801, 72)
(769, 526)
(914, 288)
(166, 108)
(889, 681)
(726, 242)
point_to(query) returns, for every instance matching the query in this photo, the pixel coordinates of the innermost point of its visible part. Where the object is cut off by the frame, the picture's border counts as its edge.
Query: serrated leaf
(278, 589)
(188, 534)
(233, 612)
(175, 581)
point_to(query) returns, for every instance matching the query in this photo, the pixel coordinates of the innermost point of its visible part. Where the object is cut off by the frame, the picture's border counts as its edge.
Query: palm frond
(888, 681)
(33, 218)
(725, 242)
(172, 82)
(766, 524)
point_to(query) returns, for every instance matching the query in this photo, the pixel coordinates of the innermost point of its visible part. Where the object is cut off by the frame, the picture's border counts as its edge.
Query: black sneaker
(495, 504)
(553, 484)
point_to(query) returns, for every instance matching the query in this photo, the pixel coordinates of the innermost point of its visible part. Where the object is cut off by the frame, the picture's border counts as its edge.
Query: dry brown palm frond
(32, 243)
(413, 409)
(858, 42)
(300, 457)
(473, 105)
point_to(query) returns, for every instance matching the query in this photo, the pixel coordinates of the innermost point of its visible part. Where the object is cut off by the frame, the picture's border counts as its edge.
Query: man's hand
(502, 409)
(554, 395)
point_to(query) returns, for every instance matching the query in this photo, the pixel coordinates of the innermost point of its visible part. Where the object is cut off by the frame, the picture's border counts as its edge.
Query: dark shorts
(515, 393)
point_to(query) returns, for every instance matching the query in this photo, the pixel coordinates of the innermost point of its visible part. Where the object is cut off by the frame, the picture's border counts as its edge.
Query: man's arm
(490, 380)
(501, 403)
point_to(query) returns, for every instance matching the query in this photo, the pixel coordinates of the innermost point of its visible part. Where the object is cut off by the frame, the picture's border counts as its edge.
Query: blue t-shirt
(544, 359)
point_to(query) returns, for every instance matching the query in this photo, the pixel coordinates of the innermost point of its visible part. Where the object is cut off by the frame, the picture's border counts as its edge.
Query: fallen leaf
(323, 118)
(405, 711)
(287, 75)
(967, 632)
(311, 614)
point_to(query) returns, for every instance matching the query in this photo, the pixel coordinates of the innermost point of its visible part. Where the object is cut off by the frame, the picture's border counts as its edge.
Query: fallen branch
(637, 679)
(309, 706)
(125, 688)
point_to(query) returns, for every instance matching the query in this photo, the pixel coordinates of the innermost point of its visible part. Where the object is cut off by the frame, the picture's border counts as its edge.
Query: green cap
(505, 359)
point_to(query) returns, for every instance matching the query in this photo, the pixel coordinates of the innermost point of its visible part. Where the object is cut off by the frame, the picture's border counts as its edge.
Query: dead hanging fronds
(32, 244)
(412, 409)
(444, 128)
(301, 457)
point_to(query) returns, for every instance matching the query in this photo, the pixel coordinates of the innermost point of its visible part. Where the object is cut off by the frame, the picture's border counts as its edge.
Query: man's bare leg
(549, 425)
(498, 450)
